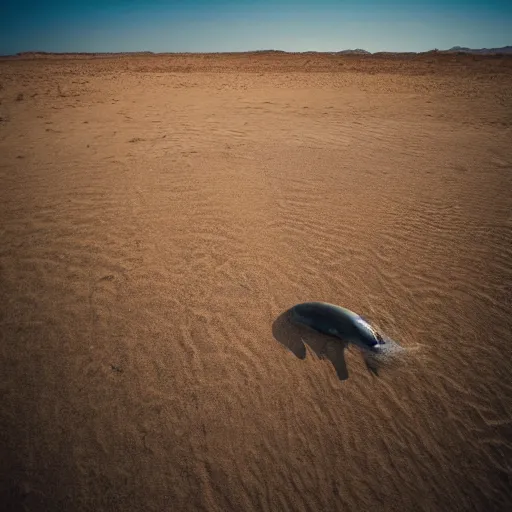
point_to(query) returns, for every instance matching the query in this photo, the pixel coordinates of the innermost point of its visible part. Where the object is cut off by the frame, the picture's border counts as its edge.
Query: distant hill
(357, 51)
(462, 49)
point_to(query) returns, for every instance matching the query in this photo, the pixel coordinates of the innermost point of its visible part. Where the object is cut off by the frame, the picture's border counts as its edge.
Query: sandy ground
(159, 214)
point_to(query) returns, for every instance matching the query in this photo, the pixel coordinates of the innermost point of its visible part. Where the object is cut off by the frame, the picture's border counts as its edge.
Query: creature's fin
(336, 354)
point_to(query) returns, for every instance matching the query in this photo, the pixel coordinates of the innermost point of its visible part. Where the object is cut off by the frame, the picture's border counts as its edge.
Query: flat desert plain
(159, 216)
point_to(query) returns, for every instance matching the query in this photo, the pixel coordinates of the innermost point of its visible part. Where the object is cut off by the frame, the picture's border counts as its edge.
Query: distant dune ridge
(356, 51)
(503, 49)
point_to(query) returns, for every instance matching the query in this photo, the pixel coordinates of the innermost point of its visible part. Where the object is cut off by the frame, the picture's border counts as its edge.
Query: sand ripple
(153, 238)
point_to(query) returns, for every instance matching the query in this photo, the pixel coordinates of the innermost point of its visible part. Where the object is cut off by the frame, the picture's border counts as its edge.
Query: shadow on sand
(294, 337)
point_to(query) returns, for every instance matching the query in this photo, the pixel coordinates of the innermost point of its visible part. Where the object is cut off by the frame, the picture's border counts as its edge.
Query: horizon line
(360, 51)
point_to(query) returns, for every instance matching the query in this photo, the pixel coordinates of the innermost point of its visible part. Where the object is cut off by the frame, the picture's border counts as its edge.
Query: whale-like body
(339, 322)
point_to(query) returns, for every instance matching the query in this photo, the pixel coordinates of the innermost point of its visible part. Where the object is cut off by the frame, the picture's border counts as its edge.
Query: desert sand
(161, 213)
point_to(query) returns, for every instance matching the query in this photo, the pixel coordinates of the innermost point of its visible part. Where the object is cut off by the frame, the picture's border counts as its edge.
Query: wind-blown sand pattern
(159, 214)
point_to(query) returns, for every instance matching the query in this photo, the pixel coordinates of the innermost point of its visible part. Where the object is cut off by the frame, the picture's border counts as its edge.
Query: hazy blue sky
(238, 25)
